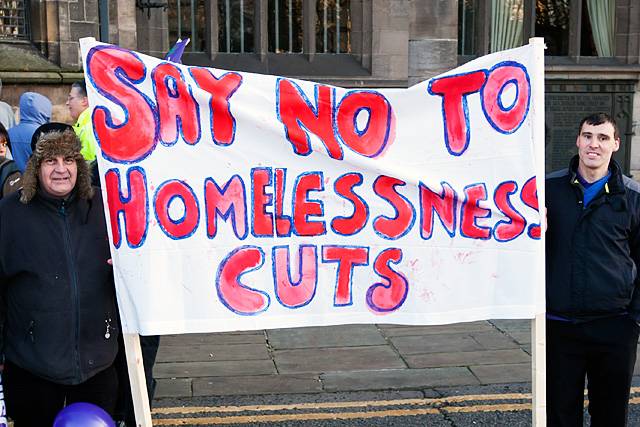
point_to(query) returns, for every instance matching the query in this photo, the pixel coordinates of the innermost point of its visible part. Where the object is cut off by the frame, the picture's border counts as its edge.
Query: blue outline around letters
(315, 112)
(306, 216)
(353, 265)
(233, 119)
(338, 135)
(364, 202)
(275, 213)
(373, 287)
(223, 263)
(269, 198)
(184, 217)
(178, 117)
(441, 196)
(515, 100)
(537, 224)
(381, 217)
(125, 200)
(355, 122)
(126, 81)
(488, 215)
(275, 281)
(510, 221)
(528, 93)
(465, 109)
(229, 212)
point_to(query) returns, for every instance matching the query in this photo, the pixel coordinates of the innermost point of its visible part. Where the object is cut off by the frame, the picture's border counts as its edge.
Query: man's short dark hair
(81, 86)
(598, 119)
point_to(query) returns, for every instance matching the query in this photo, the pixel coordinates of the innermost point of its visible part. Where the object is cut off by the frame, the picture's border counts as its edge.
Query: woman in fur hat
(60, 320)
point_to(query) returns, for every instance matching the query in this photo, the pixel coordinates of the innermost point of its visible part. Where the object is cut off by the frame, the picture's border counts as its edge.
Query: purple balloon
(83, 415)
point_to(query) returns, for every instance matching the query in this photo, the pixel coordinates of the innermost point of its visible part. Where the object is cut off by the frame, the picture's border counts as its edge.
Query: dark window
(187, 20)
(467, 26)
(14, 22)
(235, 26)
(552, 23)
(288, 26)
(333, 26)
(569, 27)
(285, 26)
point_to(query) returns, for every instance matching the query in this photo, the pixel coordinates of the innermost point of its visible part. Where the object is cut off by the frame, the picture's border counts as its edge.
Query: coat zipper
(32, 325)
(74, 287)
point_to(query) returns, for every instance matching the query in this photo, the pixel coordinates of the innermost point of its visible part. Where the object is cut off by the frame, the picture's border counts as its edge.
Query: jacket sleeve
(3, 298)
(634, 246)
(3, 311)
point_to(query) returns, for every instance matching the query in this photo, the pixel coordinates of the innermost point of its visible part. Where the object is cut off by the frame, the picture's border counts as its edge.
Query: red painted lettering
(529, 197)
(113, 72)
(283, 222)
(232, 293)
(371, 140)
(230, 200)
(391, 293)
(300, 117)
(294, 293)
(177, 109)
(303, 207)
(134, 208)
(353, 224)
(454, 90)
(444, 205)
(398, 226)
(513, 226)
(471, 211)
(223, 124)
(167, 194)
(262, 220)
(347, 257)
(506, 119)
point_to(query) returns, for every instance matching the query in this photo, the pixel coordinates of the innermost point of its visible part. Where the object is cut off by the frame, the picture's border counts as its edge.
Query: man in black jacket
(60, 324)
(593, 302)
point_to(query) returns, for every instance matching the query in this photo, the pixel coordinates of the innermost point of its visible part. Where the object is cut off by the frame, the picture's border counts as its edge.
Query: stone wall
(433, 38)
(389, 39)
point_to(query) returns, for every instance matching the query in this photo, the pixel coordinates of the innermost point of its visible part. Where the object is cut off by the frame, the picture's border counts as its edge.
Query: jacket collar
(614, 185)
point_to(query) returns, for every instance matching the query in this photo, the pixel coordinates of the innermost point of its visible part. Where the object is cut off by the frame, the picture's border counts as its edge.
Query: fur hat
(50, 145)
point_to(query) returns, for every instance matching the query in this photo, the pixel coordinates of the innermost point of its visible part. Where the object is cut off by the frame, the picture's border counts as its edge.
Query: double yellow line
(424, 406)
(433, 406)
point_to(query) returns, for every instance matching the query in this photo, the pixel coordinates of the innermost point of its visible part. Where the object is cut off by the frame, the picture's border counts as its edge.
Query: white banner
(241, 201)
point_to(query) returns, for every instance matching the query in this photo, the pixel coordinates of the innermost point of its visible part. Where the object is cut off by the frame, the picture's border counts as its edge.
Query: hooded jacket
(58, 308)
(592, 253)
(35, 110)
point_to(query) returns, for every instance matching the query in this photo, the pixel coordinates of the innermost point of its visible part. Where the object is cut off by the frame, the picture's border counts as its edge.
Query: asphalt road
(496, 405)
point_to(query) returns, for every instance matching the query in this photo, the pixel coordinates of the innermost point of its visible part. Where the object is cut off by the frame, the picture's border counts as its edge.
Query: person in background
(78, 105)
(10, 176)
(57, 307)
(35, 110)
(593, 286)
(4, 141)
(7, 118)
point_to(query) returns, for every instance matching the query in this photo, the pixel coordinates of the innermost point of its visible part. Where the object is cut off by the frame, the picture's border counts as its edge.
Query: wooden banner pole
(137, 380)
(538, 324)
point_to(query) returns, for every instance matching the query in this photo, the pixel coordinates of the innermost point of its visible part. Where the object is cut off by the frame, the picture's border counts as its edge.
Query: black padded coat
(58, 302)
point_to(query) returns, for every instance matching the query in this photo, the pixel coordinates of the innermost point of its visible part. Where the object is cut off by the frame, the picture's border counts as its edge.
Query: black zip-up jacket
(592, 252)
(58, 305)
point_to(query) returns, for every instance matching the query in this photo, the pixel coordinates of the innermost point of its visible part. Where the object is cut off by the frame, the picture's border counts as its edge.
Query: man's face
(596, 144)
(76, 103)
(58, 175)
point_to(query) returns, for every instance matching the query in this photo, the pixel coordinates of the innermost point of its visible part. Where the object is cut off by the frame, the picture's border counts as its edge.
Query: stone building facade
(353, 43)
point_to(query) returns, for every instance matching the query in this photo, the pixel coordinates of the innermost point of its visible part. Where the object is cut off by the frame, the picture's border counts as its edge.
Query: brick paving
(344, 358)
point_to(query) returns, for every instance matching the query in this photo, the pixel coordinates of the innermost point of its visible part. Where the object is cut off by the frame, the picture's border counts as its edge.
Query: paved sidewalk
(344, 358)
